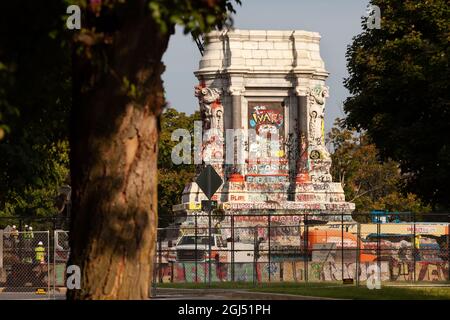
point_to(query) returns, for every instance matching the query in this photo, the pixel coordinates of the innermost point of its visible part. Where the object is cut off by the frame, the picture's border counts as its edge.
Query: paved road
(30, 296)
(221, 294)
(179, 294)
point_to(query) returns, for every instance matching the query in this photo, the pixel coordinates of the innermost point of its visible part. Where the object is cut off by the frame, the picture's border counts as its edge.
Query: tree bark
(118, 97)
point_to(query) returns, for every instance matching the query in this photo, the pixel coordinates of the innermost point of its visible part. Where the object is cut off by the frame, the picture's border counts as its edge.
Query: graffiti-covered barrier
(298, 271)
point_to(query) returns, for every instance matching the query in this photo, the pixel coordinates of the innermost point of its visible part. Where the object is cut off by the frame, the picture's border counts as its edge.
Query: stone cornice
(264, 35)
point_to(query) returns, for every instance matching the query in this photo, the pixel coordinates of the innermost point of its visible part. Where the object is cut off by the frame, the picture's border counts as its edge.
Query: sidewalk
(226, 294)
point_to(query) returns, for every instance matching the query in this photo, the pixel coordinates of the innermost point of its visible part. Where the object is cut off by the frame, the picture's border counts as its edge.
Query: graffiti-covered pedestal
(262, 98)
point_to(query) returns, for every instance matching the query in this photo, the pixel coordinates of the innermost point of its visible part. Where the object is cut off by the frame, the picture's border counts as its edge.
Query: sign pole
(209, 182)
(209, 230)
(209, 246)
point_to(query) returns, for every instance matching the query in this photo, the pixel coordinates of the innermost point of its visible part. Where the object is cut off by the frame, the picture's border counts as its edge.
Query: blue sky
(337, 21)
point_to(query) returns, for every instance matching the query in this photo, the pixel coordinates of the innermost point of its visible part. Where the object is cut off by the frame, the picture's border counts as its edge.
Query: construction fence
(33, 262)
(265, 247)
(255, 247)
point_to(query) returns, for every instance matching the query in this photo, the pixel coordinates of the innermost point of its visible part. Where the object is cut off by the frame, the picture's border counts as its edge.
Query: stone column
(319, 159)
(236, 102)
(302, 165)
(237, 109)
(212, 114)
(314, 160)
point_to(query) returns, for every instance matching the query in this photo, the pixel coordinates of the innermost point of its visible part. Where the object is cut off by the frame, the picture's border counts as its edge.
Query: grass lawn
(331, 290)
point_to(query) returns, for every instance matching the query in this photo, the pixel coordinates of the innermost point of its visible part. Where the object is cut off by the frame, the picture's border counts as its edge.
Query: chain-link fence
(25, 261)
(61, 251)
(267, 247)
(254, 247)
(37, 223)
(33, 263)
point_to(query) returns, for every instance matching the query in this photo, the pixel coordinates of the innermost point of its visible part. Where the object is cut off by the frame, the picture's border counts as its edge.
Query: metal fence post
(358, 251)
(55, 239)
(269, 243)
(153, 285)
(232, 247)
(448, 246)
(209, 246)
(255, 252)
(1, 248)
(415, 250)
(306, 245)
(342, 246)
(159, 256)
(299, 248)
(195, 247)
(378, 244)
(48, 265)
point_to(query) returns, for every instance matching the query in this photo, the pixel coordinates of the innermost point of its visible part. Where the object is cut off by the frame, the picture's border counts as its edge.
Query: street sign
(209, 181)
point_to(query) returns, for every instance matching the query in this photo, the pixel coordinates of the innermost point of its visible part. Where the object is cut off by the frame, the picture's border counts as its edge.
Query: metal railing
(33, 263)
(256, 248)
(25, 263)
(38, 223)
(269, 247)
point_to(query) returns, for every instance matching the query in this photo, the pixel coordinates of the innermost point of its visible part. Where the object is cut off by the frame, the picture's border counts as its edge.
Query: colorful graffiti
(267, 119)
(331, 271)
(424, 271)
(265, 114)
(432, 271)
(295, 271)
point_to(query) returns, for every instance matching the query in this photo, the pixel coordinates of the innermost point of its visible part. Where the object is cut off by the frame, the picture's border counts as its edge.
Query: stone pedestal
(271, 83)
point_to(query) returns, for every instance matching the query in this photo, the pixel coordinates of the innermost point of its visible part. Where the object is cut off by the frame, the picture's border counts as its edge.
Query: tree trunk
(118, 97)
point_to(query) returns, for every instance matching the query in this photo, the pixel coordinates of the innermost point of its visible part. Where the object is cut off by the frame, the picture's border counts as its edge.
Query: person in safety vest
(24, 232)
(28, 242)
(15, 234)
(14, 238)
(29, 233)
(40, 252)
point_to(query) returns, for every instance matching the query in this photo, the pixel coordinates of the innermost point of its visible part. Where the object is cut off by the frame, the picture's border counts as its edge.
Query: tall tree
(399, 77)
(118, 99)
(172, 178)
(369, 182)
(35, 98)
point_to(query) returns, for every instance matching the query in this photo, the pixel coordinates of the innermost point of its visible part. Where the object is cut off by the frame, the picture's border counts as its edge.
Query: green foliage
(171, 120)
(35, 92)
(197, 17)
(368, 182)
(172, 178)
(35, 96)
(102, 19)
(399, 77)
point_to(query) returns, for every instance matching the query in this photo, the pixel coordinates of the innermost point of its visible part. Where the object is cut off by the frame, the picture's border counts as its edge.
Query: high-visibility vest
(28, 235)
(40, 253)
(417, 241)
(27, 260)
